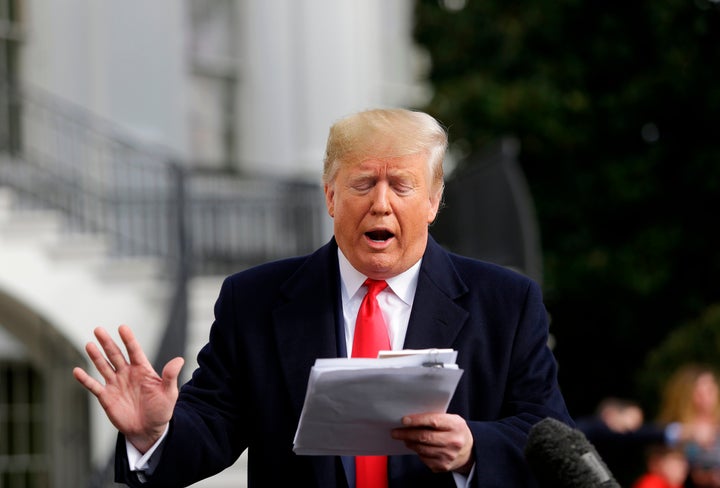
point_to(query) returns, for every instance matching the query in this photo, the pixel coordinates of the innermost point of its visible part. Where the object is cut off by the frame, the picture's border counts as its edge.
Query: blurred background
(148, 149)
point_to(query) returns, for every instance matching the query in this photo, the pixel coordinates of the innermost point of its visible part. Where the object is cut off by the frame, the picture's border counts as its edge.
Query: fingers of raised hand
(104, 367)
(92, 385)
(171, 371)
(135, 352)
(115, 358)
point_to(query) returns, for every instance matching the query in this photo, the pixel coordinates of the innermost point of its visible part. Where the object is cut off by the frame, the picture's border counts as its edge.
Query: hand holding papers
(352, 404)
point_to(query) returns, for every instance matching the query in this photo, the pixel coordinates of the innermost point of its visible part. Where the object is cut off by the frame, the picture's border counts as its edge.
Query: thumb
(171, 371)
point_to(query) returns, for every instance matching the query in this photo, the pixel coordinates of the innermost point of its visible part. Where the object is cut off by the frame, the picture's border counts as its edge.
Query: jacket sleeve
(531, 394)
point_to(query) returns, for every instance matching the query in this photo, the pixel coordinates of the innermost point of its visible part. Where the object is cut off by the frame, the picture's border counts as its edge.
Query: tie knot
(375, 286)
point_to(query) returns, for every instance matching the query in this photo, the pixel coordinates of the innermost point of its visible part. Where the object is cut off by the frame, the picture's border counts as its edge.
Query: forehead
(410, 164)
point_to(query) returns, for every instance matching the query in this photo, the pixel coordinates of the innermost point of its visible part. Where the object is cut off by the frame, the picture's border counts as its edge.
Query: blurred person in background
(666, 467)
(691, 406)
(621, 415)
(621, 435)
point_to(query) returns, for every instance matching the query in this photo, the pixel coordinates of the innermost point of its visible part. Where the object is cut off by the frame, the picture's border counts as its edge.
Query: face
(381, 210)
(705, 393)
(623, 419)
(673, 467)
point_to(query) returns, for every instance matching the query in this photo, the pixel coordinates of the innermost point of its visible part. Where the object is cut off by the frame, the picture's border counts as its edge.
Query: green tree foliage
(616, 107)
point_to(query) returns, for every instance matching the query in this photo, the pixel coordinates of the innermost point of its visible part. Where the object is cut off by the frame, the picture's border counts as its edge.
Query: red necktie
(370, 337)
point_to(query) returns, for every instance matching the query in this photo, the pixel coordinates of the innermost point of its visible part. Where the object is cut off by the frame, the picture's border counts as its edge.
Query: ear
(330, 198)
(434, 205)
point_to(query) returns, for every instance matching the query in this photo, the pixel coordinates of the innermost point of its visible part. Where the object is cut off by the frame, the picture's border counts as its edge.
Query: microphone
(562, 457)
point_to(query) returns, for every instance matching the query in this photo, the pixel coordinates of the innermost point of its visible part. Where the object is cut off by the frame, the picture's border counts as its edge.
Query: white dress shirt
(395, 301)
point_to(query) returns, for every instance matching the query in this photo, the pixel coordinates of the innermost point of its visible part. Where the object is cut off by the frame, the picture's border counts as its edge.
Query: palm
(138, 402)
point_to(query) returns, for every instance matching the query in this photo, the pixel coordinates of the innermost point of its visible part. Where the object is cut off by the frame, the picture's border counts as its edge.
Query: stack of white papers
(352, 404)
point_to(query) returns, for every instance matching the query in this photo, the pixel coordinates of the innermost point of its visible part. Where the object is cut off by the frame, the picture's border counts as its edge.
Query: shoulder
(291, 270)
(268, 272)
(437, 258)
(479, 274)
(474, 267)
(478, 285)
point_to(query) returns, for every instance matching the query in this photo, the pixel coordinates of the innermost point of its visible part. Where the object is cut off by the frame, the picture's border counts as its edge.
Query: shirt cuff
(462, 481)
(145, 464)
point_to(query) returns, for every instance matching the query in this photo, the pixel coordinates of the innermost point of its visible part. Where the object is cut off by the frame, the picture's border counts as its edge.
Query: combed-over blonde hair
(386, 133)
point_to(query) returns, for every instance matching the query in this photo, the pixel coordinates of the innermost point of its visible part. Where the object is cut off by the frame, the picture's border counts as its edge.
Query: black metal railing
(145, 202)
(56, 155)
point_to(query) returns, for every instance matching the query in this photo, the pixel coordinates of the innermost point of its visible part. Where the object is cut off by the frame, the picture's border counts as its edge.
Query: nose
(381, 199)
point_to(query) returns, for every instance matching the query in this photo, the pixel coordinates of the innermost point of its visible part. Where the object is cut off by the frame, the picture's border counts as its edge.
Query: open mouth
(379, 235)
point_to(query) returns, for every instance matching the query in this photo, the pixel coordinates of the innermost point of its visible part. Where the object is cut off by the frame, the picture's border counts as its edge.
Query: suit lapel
(436, 318)
(306, 322)
(306, 328)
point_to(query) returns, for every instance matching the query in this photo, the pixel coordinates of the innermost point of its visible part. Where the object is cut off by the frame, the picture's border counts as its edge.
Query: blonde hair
(386, 133)
(677, 401)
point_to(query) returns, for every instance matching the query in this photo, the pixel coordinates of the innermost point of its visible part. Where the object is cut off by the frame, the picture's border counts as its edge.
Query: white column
(306, 63)
(122, 60)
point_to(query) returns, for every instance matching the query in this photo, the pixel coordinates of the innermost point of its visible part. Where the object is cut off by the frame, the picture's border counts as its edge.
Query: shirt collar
(403, 285)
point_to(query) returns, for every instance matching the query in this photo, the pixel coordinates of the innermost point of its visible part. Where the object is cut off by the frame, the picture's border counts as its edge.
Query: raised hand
(138, 402)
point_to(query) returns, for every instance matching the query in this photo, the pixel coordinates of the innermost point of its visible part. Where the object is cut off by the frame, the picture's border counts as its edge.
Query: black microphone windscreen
(562, 457)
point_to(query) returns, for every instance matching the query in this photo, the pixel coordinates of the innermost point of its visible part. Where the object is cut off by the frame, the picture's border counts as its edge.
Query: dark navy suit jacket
(274, 320)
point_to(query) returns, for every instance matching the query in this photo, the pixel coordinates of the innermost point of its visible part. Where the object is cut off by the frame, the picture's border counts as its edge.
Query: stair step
(69, 248)
(33, 225)
(129, 269)
(7, 197)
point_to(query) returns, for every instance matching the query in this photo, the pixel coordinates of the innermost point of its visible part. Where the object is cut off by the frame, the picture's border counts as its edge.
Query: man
(383, 185)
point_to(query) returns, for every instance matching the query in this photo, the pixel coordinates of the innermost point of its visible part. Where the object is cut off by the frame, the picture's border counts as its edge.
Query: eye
(403, 187)
(362, 185)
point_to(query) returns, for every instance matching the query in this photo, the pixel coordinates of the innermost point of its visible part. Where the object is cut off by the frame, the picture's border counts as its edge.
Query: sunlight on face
(381, 209)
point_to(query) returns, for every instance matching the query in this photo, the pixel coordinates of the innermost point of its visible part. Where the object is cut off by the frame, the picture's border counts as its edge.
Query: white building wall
(124, 61)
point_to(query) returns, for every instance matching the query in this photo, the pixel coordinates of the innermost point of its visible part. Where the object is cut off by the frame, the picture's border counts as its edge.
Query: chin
(377, 270)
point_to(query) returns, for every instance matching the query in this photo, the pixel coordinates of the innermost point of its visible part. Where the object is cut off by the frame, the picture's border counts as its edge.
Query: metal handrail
(147, 203)
(59, 156)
